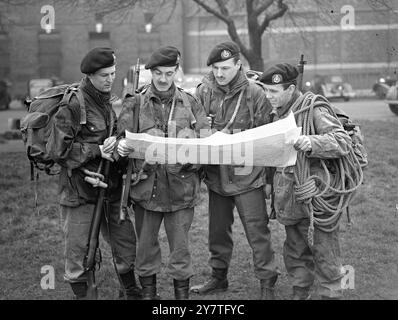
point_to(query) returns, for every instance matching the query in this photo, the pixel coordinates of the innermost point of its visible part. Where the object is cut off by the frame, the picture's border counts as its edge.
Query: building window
(4, 55)
(50, 55)
(99, 39)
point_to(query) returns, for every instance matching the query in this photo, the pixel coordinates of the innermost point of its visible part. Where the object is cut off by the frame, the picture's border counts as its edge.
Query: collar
(238, 83)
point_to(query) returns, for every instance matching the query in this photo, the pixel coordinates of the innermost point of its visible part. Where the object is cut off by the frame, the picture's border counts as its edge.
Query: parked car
(331, 87)
(392, 99)
(383, 84)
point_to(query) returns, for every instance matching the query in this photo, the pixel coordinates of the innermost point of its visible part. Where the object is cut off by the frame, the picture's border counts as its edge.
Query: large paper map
(267, 145)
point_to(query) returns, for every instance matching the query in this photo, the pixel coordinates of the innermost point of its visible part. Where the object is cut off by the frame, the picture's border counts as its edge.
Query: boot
(268, 288)
(79, 290)
(218, 282)
(148, 285)
(301, 293)
(181, 289)
(132, 291)
(330, 298)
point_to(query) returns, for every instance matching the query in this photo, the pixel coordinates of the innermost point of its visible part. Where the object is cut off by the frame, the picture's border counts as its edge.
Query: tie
(274, 114)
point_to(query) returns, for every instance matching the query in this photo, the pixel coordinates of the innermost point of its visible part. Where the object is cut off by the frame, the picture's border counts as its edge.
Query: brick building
(361, 54)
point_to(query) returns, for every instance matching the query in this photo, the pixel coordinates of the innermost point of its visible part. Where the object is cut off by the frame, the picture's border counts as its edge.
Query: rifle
(93, 238)
(130, 164)
(300, 67)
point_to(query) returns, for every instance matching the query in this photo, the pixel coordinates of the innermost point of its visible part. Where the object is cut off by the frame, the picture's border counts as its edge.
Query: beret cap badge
(276, 78)
(225, 54)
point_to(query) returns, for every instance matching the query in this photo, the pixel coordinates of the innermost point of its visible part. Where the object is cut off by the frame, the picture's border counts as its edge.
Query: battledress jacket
(169, 187)
(330, 142)
(74, 146)
(232, 180)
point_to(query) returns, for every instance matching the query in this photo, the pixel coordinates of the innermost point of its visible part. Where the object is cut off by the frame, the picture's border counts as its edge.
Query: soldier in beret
(233, 103)
(330, 141)
(170, 191)
(78, 147)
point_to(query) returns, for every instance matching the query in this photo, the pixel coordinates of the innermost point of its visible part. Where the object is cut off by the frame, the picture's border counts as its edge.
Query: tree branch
(282, 8)
(260, 9)
(211, 10)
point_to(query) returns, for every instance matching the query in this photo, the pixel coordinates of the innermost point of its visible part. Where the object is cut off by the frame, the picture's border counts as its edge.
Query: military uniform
(303, 262)
(76, 147)
(170, 191)
(231, 186)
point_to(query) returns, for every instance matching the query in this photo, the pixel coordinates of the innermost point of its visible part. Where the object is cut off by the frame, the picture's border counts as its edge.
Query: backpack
(354, 131)
(36, 125)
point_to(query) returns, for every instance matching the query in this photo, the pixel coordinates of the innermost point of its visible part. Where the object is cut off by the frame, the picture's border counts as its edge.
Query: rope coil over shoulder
(323, 200)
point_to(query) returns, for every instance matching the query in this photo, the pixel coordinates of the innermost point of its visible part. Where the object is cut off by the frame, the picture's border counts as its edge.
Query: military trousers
(321, 261)
(177, 225)
(252, 211)
(76, 226)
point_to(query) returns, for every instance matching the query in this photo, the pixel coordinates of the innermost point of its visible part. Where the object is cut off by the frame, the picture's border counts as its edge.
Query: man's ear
(292, 88)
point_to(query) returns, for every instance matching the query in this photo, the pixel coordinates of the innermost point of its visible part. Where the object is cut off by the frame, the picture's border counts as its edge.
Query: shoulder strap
(185, 99)
(249, 102)
(207, 98)
(70, 91)
(137, 110)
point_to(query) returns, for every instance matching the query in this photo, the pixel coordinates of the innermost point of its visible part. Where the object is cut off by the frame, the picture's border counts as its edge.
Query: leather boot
(181, 289)
(80, 290)
(132, 291)
(218, 282)
(148, 285)
(301, 293)
(330, 298)
(268, 288)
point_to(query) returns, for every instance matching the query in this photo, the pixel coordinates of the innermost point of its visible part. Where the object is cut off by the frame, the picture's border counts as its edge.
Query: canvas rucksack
(36, 125)
(355, 134)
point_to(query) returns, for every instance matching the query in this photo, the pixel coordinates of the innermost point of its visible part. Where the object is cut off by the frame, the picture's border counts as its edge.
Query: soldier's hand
(267, 191)
(109, 144)
(106, 155)
(303, 143)
(123, 149)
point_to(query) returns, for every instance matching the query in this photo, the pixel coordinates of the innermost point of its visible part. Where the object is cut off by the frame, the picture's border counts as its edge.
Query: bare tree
(259, 15)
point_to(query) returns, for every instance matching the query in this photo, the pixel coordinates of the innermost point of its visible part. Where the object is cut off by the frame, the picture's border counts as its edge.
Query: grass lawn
(31, 239)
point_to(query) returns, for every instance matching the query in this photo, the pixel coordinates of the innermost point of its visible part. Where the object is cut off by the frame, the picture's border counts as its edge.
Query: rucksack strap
(207, 99)
(249, 103)
(75, 91)
(131, 164)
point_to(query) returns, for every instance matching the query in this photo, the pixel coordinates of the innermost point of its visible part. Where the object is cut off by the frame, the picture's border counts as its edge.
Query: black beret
(279, 74)
(222, 52)
(96, 59)
(164, 57)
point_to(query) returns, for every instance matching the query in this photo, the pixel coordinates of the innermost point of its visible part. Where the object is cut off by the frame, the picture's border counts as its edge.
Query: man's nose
(219, 73)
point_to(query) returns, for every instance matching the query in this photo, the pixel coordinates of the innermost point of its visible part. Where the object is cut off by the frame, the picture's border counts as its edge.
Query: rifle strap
(131, 162)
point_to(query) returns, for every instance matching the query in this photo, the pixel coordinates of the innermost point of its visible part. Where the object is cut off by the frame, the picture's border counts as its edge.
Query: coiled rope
(324, 200)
